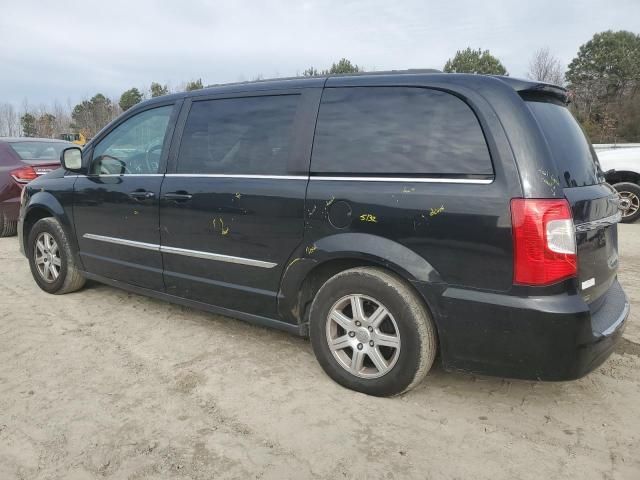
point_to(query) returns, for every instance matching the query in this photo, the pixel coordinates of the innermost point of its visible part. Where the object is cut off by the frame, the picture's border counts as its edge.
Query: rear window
(573, 155)
(39, 151)
(398, 130)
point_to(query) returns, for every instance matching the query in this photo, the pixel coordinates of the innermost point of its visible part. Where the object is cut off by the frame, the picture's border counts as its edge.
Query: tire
(8, 228)
(631, 193)
(407, 325)
(56, 243)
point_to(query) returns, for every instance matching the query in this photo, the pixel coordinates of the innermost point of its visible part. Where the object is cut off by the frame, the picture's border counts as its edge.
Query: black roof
(412, 76)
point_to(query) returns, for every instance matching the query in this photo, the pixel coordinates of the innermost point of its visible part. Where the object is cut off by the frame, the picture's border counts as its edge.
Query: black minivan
(388, 217)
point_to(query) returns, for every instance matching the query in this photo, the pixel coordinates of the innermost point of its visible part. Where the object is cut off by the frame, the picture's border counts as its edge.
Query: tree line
(603, 81)
(87, 117)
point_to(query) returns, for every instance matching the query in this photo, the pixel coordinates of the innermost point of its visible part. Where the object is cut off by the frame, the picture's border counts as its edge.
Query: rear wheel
(51, 259)
(371, 333)
(8, 228)
(630, 196)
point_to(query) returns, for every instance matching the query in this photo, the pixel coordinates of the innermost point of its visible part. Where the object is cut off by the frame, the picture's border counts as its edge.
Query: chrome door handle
(177, 197)
(142, 195)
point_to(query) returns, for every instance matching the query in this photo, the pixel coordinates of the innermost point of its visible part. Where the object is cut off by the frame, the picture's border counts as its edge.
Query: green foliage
(90, 116)
(158, 90)
(310, 72)
(343, 66)
(46, 125)
(604, 79)
(629, 120)
(129, 98)
(29, 128)
(609, 63)
(475, 61)
(194, 85)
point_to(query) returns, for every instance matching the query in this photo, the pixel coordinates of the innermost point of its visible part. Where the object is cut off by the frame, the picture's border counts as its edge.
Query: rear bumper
(546, 338)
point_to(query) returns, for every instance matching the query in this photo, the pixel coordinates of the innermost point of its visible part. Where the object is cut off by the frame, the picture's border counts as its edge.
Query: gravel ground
(106, 384)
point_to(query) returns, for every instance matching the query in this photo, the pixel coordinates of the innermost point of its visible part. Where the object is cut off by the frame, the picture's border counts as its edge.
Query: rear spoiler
(533, 89)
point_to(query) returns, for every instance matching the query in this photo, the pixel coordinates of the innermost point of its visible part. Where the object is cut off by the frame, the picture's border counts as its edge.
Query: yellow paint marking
(436, 211)
(295, 260)
(368, 217)
(223, 230)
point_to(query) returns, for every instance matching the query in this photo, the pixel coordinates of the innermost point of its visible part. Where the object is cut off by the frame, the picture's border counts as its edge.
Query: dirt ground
(106, 384)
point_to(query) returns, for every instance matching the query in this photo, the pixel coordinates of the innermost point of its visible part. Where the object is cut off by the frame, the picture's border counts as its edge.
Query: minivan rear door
(594, 203)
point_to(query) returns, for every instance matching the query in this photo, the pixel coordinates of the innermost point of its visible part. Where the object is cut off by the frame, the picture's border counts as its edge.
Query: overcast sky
(68, 50)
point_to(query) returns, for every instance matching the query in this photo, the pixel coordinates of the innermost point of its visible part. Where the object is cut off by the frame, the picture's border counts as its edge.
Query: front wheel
(371, 333)
(630, 200)
(51, 259)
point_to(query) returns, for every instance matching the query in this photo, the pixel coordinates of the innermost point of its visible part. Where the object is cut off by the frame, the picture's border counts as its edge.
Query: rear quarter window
(398, 131)
(572, 153)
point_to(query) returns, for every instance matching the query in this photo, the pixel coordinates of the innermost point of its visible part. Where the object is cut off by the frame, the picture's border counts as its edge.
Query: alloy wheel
(363, 336)
(47, 257)
(630, 203)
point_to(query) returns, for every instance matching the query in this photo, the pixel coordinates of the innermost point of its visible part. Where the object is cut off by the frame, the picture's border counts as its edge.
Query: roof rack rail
(302, 77)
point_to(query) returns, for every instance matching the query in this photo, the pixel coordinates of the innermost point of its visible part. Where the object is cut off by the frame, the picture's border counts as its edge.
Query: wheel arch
(41, 205)
(33, 214)
(620, 176)
(315, 263)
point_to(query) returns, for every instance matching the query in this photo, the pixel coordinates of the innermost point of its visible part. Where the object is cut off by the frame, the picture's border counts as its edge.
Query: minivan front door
(232, 208)
(116, 204)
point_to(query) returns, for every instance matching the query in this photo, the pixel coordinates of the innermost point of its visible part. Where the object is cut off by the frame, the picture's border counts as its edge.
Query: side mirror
(71, 159)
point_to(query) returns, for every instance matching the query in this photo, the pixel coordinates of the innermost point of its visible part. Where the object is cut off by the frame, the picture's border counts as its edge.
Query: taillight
(544, 241)
(24, 174)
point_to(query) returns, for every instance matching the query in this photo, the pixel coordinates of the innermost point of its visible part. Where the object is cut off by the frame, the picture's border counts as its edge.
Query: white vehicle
(622, 170)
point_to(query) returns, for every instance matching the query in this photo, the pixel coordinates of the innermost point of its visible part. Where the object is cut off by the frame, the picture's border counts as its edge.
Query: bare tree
(545, 67)
(9, 121)
(62, 116)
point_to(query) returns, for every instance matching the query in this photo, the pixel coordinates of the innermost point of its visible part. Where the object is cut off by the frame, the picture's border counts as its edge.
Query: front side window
(399, 131)
(248, 135)
(135, 146)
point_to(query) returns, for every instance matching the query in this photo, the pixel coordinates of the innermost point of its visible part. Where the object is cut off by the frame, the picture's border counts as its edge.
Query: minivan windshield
(574, 157)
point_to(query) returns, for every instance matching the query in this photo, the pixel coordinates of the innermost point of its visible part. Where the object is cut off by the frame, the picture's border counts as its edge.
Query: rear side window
(398, 130)
(573, 155)
(249, 135)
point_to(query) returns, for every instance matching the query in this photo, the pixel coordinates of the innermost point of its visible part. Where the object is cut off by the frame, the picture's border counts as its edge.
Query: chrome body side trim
(217, 257)
(473, 181)
(482, 181)
(122, 175)
(181, 251)
(224, 175)
(122, 241)
(602, 222)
